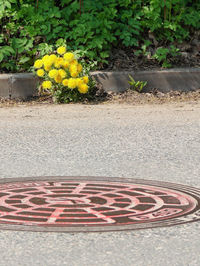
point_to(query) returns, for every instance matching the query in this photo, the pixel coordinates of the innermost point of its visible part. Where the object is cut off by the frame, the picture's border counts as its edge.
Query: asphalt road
(160, 142)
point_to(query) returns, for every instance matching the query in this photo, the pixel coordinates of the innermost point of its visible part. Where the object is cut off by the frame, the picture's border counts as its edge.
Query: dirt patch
(188, 55)
(29, 101)
(126, 60)
(154, 97)
(128, 97)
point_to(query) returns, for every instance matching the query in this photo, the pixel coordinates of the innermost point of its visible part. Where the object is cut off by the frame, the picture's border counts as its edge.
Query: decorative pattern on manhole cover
(94, 204)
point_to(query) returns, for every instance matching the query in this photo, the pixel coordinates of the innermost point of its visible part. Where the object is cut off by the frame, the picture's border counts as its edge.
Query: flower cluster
(62, 70)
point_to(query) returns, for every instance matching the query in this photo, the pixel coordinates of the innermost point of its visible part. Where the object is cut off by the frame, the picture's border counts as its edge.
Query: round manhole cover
(94, 204)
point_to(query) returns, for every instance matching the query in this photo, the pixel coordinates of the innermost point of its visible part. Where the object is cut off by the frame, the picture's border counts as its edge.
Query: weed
(136, 85)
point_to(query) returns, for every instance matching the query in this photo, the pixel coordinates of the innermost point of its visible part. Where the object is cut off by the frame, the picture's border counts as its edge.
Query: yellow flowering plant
(64, 77)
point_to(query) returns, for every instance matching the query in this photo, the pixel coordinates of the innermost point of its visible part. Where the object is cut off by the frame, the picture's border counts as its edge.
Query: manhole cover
(94, 204)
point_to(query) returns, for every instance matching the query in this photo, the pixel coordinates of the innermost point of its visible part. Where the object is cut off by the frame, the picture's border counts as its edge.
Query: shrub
(31, 27)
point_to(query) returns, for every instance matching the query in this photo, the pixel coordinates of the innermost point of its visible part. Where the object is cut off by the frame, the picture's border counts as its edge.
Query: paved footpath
(160, 142)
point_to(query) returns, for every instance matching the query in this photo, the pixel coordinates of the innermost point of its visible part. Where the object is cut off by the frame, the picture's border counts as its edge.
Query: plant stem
(165, 10)
(80, 6)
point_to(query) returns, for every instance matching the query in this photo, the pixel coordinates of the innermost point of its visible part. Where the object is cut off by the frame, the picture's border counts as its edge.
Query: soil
(155, 97)
(125, 58)
(128, 97)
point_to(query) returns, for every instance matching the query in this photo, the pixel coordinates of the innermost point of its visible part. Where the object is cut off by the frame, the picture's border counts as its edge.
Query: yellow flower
(83, 88)
(52, 58)
(62, 73)
(79, 82)
(61, 50)
(74, 74)
(73, 71)
(74, 62)
(46, 84)
(58, 62)
(38, 63)
(53, 73)
(79, 68)
(47, 64)
(40, 72)
(58, 79)
(47, 67)
(69, 56)
(86, 79)
(73, 68)
(65, 82)
(65, 64)
(44, 58)
(72, 83)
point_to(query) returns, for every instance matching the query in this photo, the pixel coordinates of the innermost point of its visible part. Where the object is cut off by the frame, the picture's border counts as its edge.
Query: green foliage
(29, 30)
(163, 55)
(143, 49)
(136, 85)
(64, 95)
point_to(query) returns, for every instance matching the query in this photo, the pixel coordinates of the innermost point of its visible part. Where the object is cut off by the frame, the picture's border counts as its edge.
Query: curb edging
(24, 85)
(19, 85)
(164, 80)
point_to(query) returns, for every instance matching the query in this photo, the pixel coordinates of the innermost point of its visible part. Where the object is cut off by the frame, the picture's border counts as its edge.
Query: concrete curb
(163, 80)
(20, 85)
(24, 85)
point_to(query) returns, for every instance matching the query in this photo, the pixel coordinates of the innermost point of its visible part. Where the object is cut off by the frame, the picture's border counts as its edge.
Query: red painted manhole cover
(94, 204)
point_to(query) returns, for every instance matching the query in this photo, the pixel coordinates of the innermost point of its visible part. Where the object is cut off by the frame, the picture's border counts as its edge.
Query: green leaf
(104, 54)
(7, 4)
(7, 50)
(24, 59)
(1, 57)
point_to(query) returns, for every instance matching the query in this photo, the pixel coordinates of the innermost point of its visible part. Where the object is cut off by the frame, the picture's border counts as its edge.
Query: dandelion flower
(69, 56)
(79, 82)
(83, 88)
(65, 82)
(73, 68)
(79, 68)
(65, 64)
(86, 79)
(40, 72)
(58, 79)
(74, 74)
(47, 64)
(38, 63)
(74, 62)
(62, 73)
(53, 73)
(46, 84)
(72, 83)
(52, 58)
(45, 58)
(61, 50)
(47, 68)
(58, 62)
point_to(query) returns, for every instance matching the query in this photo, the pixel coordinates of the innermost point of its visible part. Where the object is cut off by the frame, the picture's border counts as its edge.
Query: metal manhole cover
(94, 204)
